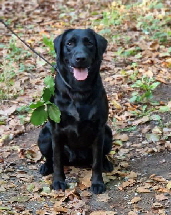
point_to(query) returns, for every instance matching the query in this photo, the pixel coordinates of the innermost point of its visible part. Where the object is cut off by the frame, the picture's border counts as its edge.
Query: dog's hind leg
(45, 146)
(107, 165)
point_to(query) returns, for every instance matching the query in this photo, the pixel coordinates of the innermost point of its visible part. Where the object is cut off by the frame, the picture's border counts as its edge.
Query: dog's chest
(79, 122)
(78, 112)
(83, 112)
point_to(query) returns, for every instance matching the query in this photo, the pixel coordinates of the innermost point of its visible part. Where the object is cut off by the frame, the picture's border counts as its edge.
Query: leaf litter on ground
(137, 47)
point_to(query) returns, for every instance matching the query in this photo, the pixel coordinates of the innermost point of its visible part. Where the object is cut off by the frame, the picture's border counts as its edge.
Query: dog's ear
(101, 45)
(58, 44)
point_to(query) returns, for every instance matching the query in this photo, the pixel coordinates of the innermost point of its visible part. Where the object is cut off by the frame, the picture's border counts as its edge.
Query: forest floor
(136, 75)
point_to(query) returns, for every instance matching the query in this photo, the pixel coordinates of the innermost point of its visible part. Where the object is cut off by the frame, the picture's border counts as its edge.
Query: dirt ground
(140, 183)
(18, 172)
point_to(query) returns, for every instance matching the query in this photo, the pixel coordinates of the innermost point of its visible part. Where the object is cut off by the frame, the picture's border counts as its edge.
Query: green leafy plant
(146, 86)
(49, 43)
(127, 129)
(127, 53)
(16, 53)
(112, 17)
(12, 65)
(44, 109)
(143, 111)
(157, 27)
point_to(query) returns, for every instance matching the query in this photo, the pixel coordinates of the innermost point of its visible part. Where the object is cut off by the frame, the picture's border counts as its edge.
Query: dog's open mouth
(80, 74)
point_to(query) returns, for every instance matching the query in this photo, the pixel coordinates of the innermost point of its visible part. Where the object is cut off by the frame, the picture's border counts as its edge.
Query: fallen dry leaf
(103, 213)
(20, 198)
(116, 104)
(132, 175)
(135, 199)
(161, 197)
(32, 154)
(125, 184)
(141, 121)
(60, 209)
(122, 137)
(8, 111)
(85, 193)
(86, 179)
(157, 205)
(103, 197)
(124, 164)
(132, 213)
(143, 190)
(128, 58)
(158, 178)
(152, 137)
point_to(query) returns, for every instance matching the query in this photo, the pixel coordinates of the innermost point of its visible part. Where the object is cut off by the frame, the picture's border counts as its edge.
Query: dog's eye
(89, 43)
(70, 43)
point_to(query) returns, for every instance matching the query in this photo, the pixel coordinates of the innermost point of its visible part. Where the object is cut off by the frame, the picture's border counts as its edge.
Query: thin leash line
(54, 66)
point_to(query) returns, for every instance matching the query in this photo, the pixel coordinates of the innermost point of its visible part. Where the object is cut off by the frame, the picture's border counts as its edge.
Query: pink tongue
(80, 74)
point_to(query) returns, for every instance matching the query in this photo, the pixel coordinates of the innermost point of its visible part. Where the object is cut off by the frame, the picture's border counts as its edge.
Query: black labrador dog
(82, 137)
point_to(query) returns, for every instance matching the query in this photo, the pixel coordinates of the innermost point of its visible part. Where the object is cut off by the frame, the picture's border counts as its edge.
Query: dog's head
(78, 50)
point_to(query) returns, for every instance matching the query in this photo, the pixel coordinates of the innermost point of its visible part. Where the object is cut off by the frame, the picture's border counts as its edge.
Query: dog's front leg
(58, 152)
(98, 186)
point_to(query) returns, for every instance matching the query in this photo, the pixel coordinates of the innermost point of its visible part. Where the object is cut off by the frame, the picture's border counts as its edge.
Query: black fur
(82, 136)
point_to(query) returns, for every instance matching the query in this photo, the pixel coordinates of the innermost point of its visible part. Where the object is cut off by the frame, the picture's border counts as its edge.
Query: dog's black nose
(80, 59)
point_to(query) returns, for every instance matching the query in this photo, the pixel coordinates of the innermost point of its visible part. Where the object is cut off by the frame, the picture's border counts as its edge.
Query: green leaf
(48, 42)
(147, 95)
(46, 190)
(138, 83)
(54, 113)
(128, 129)
(20, 199)
(155, 117)
(40, 62)
(144, 107)
(133, 99)
(36, 105)
(154, 85)
(158, 6)
(118, 142)
(39, 116)
(139, 55)
(164, 109)
(152, 137)
(48, 103)
(23, 109)
(5, 208)
(49, 82)
(46, 94)
(30, 187)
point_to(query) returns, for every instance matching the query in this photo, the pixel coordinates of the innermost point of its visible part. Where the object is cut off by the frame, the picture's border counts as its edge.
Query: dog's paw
(107, 165)
(59, 185)
(98, 188)
(46, 169)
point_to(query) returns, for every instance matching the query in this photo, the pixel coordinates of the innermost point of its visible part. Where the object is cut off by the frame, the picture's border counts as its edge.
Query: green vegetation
(146, 86)
(48, 42)
(44, 109)
(11, 67)
(129, 52)
(123, 24)
(140, 15)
